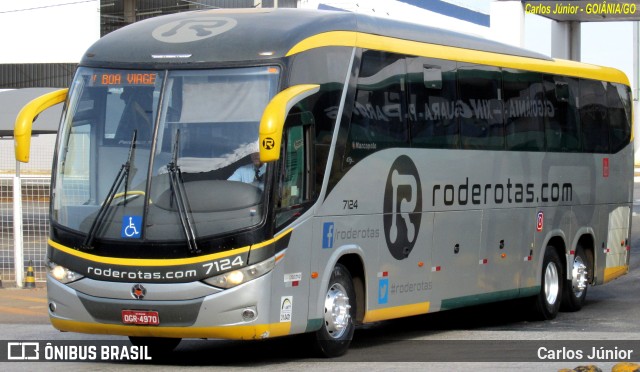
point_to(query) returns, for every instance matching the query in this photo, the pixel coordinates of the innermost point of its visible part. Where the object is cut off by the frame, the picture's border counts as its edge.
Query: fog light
(248, 314)
(52, 307)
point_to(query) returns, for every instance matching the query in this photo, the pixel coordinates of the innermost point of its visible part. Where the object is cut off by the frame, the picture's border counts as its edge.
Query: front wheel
(575, 289)
(334, 337)
(547, 302)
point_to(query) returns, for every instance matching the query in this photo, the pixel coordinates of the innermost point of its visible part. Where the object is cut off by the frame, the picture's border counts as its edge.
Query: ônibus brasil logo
(402, 207)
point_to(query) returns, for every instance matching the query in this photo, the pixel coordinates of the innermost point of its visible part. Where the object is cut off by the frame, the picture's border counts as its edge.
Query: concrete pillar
(18, 242)
(635, 80)
(507, 22)
(129, 11)
(565, 40)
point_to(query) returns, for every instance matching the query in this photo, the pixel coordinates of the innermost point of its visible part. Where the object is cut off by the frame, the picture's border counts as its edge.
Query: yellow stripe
(236, 332)
(611, 273)
(332, 38)
(396, 312)
(275, 239)
(389, 44)
(145, 262)
(161, 262)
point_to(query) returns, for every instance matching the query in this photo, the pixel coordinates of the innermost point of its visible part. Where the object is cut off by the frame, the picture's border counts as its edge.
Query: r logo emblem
(138, 291)
(193, 29)
(268, 143)
(402, 207)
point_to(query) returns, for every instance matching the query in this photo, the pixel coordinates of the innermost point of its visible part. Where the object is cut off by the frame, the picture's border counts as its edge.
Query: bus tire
(547, 302)
(334, 337)
(575, 289)
(157, 346)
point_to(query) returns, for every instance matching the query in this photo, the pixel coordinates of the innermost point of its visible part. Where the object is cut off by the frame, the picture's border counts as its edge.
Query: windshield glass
(205, 177)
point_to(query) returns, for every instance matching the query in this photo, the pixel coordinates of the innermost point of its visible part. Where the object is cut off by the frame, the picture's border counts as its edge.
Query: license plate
(140, 317)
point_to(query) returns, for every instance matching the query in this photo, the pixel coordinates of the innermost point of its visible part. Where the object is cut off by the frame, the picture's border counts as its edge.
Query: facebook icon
(327, 235)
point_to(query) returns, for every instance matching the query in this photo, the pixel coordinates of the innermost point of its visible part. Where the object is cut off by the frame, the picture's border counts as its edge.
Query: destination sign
(124, 78)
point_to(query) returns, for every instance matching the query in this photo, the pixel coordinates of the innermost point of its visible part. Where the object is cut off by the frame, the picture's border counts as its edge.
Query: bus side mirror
(273, 118)
(25, 118)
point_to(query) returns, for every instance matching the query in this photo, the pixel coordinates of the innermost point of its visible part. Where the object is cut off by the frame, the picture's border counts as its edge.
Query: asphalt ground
(23, 306)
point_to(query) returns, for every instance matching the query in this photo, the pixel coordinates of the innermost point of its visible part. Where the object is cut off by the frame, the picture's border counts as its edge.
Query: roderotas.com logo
(402, 207)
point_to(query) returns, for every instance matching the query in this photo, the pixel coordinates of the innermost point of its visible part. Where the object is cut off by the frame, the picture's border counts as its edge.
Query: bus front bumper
(218, 315)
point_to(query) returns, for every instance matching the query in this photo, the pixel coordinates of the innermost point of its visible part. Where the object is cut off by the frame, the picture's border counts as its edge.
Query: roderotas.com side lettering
(500, 193)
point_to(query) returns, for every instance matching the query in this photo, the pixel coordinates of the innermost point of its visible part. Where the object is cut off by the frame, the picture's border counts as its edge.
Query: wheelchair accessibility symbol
(131, 226)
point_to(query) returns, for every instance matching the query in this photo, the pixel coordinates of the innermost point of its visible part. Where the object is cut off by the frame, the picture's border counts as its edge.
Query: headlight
(62, 274)
(237, 277)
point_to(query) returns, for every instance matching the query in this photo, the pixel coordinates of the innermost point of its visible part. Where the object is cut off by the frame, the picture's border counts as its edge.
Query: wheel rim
(336, 311)
(551, 283)
(579, 276)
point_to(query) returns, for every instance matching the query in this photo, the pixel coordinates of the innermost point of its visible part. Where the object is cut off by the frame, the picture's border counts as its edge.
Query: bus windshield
(162, 155)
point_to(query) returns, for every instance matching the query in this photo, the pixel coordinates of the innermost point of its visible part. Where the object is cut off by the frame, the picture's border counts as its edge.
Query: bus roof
(225, 36)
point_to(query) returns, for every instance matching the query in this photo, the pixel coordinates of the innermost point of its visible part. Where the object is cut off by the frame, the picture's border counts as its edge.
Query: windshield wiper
(178, 192)
(123, 175)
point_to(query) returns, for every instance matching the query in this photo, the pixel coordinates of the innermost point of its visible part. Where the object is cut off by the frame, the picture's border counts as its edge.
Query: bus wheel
(157, 346)
(575, 289)
(547, 302)
(335, 335)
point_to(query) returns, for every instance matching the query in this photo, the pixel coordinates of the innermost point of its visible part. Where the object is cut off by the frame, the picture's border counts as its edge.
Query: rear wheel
(547, 302)
(575, 289)
(334, 337)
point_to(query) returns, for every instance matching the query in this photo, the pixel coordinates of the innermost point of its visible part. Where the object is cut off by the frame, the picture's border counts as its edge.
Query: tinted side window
(432, 103)
(594, 118)
(327, 67)
(378, 118)
(562, 126)
(481, 125)
(294, 187)
(525, 109)
(619, 107)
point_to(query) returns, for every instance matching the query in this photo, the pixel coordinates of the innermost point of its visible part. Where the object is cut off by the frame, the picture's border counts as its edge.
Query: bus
(250, 174)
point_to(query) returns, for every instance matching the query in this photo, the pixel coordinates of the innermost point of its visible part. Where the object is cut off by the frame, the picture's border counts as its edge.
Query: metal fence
(24, 226)
(26, 211)
(6, 228)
